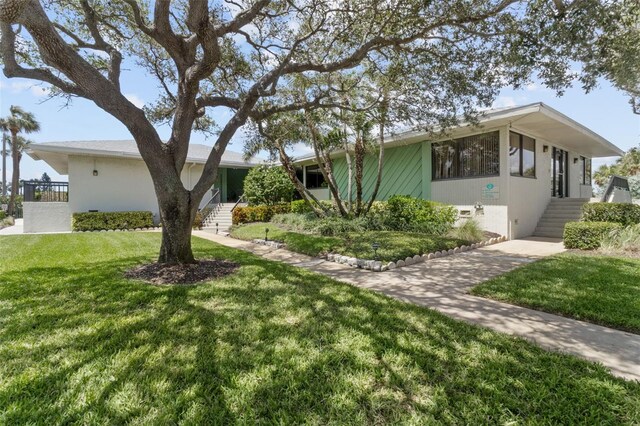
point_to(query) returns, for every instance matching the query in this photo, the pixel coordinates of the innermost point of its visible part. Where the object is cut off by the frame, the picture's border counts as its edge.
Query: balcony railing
(47, 192)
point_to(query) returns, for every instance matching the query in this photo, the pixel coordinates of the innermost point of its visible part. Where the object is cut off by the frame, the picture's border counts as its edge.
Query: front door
(559, 173)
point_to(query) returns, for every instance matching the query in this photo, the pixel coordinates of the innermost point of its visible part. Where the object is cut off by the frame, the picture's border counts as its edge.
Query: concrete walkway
(442, 284)
(16, 229)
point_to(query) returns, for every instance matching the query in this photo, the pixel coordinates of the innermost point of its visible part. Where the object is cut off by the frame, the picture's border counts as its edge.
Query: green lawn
(270, 344)
(603, 290)
(393, 245)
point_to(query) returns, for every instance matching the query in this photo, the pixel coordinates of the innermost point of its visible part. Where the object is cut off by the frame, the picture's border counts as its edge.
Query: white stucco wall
(121, 184)
(465, 193)
(529, 197)
(46, 217)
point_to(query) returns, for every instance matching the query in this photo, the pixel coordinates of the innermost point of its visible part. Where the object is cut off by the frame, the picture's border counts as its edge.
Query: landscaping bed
(591, 287)
(394, 245)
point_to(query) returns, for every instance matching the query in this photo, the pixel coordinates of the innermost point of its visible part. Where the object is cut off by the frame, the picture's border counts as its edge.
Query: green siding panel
(401, 173)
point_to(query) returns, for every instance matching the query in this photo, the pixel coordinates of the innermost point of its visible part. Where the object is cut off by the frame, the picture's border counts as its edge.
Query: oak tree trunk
(177, 213)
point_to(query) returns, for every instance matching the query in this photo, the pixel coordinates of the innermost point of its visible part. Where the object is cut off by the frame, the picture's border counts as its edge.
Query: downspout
(189, 175)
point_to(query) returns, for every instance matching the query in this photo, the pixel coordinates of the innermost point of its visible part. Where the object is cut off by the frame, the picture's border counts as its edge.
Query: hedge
(98, 221)
(260, 213)
(301, 206)
(623, 213)
(587, 235)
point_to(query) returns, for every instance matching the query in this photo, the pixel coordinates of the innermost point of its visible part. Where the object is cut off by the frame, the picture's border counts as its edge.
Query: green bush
(268, 185)
(198, 221)
(625, 240)
(301, 206)
(262, 213)
(470, 231)
(405, 213)
(587, 235)
(294, 221)
(3, 214)
(98, 221)
(623, 213)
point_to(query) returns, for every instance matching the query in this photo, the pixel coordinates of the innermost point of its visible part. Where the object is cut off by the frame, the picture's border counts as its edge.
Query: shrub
(262, 213)
(268, 185)
(623, 213)
(97, 221)
(622, 240)
(198, 221)
(300, 207)
(405, 213)
(3, 214)
(333, 226)
(294, 221)
(470, 231)
(587, 235)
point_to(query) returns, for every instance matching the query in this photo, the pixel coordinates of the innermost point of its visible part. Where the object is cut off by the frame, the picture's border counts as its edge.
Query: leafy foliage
(624, 241)
(587, 235)
(261, 213)
(98, 221)
(470, 230)
(414, 214)
(622, 213)
(628, 166)
(267, 185)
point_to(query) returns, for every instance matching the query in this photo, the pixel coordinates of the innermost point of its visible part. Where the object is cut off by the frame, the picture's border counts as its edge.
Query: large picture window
(315, 179)
(585, 171)
(471, 156)
(522, 155)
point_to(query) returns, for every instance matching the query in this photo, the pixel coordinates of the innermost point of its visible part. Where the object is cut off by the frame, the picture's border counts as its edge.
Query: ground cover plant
(599, 289)
(394, 245)
(79, 343)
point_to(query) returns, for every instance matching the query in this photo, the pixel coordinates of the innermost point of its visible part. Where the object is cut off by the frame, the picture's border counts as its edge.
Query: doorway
(559, 173)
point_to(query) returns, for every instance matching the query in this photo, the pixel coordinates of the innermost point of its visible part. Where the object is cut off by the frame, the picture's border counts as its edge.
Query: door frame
(559, 173)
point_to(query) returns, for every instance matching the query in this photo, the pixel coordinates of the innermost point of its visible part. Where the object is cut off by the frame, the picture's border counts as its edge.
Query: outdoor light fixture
(575, 160)
(95, 172)
(545, 148)
(266, 233)
(375, 247)
(216, 227)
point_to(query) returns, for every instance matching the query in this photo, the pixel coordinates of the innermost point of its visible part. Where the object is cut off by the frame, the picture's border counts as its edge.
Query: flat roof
(56, 154)
(537, 118)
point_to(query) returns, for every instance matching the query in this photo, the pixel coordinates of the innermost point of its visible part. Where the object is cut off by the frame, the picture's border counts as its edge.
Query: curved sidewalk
(442, 284)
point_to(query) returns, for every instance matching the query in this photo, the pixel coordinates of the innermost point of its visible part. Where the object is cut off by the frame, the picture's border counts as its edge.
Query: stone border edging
(268, 243)
(377, 266)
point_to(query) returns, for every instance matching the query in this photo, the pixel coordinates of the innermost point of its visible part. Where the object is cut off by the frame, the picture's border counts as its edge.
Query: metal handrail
(240, 198)
(212, 206)
(615, 182)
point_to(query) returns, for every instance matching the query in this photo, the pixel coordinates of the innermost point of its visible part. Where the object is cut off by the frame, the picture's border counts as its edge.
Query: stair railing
(212, 207)
(616, 183)
(240, 199)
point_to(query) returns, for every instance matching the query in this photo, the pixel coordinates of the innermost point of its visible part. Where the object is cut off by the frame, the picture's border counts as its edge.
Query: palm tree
(18, 121)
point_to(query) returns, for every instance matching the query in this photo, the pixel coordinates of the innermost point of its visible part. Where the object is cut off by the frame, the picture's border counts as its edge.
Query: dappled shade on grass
(600, 289)
(394, 245)
(81, 344)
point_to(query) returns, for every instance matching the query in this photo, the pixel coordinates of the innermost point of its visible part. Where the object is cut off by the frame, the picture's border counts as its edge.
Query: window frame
(521, 156)
(457, 144)
(587, 179)
(306, 177)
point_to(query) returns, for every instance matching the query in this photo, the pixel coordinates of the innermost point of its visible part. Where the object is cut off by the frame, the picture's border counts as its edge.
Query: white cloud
(134, 99)
(504, 102)
(20, 86)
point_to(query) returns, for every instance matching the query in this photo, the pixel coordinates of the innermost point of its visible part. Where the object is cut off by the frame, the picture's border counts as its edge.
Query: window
(472, 156)
(314, 177)
(522, 155)
(585, 171)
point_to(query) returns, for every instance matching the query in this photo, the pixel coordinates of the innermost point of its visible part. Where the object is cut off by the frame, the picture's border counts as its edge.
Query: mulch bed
(203, 270)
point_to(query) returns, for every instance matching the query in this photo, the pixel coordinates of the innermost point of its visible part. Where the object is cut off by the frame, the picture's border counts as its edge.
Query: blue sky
(605, 110)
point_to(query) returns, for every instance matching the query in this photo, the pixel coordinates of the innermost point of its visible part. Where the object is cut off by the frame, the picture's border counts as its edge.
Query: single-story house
(111, 176)
(506, 172)
(520, 171)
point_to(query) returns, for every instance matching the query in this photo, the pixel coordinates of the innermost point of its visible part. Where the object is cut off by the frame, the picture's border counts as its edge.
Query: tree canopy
(258, 58)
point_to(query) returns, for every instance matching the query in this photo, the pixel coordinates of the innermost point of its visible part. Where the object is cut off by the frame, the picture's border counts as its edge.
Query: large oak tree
(243, 55)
